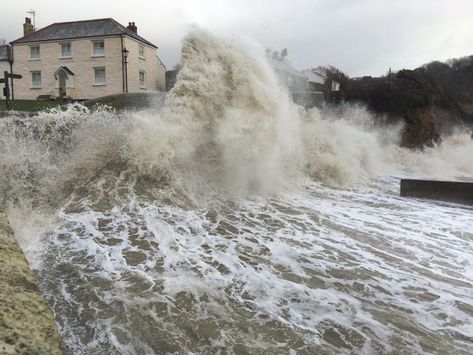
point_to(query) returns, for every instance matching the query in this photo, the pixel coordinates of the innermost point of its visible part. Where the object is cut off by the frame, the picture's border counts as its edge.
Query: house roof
(80, 29)
(284, 67)
(315, 75)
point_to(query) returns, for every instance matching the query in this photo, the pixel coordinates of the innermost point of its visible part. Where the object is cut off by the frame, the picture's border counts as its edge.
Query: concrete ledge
(452, 191)
(26, 323)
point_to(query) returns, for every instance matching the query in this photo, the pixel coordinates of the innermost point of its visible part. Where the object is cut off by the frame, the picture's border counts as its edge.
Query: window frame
(103, 48)
(104, 76)
(144, 79)
(62, 56)
(33, 86)
(141, 51)
(31, 52)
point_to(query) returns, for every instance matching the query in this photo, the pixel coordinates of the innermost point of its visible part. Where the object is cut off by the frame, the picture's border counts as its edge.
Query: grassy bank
(29, 105)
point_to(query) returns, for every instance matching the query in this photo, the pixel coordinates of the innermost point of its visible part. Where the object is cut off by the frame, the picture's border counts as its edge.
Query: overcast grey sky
(360, 37)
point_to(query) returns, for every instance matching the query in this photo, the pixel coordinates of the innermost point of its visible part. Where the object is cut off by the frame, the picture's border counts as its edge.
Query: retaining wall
(26, 323)
(454, 191)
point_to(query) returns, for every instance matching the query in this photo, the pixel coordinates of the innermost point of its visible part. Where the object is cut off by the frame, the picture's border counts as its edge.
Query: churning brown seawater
(233, 221)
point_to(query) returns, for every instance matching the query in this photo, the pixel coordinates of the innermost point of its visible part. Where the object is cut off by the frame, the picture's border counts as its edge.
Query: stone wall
(26, 323)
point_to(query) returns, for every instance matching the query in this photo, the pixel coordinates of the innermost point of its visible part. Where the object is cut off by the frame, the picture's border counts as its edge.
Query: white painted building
(317, 78)
(85, 60)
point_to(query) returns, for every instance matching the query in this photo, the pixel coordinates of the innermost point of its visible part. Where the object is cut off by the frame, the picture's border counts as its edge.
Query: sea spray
(44, 157)
(240, 130)
(450, 159)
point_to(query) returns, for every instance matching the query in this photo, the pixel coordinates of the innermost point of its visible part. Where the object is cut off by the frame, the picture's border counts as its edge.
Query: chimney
(27, 27)
(131, 26)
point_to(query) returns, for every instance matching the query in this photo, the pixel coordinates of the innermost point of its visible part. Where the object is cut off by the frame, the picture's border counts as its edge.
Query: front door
(62, 84)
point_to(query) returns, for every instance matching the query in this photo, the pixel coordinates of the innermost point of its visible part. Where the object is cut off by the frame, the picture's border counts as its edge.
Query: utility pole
(389, 78)
(33, 14)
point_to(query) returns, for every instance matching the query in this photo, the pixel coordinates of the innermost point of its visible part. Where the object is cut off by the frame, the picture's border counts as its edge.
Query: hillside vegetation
(431, 100)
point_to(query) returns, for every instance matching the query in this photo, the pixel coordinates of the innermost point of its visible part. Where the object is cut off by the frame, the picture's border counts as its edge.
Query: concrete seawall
(453, 191)
(26, 323)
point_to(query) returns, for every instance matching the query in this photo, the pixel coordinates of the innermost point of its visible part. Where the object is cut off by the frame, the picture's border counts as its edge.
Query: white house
(318, 77)
(84, 60)
(321, 86)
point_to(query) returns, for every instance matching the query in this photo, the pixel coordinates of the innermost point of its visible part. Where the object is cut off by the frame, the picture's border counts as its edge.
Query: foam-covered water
(321, 270)
(233, 221)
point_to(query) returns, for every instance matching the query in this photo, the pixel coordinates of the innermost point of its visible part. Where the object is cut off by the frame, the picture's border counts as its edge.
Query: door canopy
(64, 70)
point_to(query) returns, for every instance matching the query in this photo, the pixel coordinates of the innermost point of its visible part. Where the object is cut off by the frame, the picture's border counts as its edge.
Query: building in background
(5, 62)
(5, 59)
(322, 84)
(85, 60)
(317, 85)
(296, 82)
(171, 78)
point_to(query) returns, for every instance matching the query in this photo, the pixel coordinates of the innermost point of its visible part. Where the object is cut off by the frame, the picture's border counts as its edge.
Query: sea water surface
(319, 271)
(232, 221)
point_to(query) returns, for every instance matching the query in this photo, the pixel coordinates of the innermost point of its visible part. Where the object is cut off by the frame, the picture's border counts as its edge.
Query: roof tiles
(81, 29)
